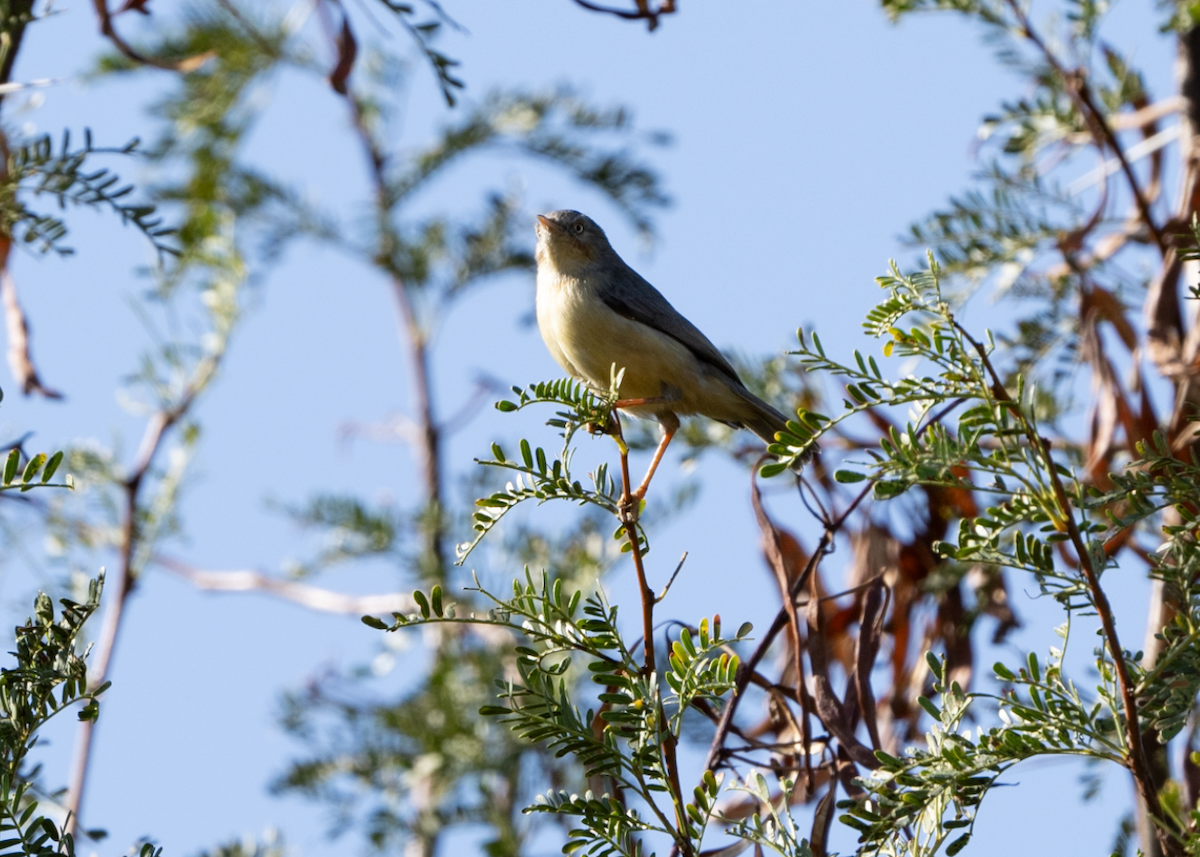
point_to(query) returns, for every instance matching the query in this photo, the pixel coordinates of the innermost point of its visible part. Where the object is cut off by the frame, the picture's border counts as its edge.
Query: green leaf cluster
(49, 677)
(624, 740)
(39, 169)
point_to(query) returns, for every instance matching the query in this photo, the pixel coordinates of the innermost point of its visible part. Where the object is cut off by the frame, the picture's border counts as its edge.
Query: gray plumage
(594, 312)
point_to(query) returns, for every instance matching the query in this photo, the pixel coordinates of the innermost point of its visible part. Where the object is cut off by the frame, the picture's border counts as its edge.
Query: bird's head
(571, 242)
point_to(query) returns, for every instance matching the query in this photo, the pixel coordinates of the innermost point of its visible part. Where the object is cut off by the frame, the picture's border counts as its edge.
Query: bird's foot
(630, 507)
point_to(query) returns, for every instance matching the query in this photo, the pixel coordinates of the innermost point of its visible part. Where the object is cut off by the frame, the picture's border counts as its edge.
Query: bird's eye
(578, 228)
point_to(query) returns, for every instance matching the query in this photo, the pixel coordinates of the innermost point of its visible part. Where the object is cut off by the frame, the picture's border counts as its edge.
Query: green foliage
(351, 529)
(773, 828)
(928, 799)
(1006, 225)
(458, 769)
(990, 11)
(1157, 481)
(626, 741)
(559, 127)
(271, 845)
(36, 169)
(367, 757)
(423, 34)
(49, 677)
(37, 472)
(589, 718)
(539, 478)
(968, 431)
(994, 449)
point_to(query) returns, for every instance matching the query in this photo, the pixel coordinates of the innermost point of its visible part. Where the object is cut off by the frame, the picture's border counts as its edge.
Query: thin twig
(775, 559)
(1077, 87)
(628, 516)
(746, 670)
(312, 597)
(122, 587)
(671, 579)
(107, 30)
(643, 12)
(1138, 762)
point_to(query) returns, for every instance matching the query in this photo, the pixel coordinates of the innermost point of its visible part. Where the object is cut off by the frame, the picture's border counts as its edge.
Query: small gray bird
(594, 311)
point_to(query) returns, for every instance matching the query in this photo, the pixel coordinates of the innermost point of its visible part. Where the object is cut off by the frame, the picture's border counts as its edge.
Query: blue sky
(806, 137)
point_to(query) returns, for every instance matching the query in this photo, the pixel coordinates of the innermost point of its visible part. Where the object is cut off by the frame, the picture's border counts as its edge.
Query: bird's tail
(765, 421)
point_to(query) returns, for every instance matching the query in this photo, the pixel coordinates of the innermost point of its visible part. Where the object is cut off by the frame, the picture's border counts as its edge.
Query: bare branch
(109, 32)
(643, 12)
(312, 597)
(774, 556)
(20, 358)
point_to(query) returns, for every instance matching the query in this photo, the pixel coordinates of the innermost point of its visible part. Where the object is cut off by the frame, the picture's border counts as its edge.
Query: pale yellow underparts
(587, 338)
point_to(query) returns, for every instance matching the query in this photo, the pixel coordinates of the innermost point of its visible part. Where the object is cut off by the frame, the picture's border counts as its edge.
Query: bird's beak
(549, 224)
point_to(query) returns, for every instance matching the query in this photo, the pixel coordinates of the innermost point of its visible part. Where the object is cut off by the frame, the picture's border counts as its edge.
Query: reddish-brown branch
(746, 670)
(643, 12)
(775, 560)
(1139, 764)
(104, 16)
(628, 515)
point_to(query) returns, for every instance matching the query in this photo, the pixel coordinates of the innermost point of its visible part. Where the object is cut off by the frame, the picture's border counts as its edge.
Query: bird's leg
(668, 433)
(669, 423)
(653, 400)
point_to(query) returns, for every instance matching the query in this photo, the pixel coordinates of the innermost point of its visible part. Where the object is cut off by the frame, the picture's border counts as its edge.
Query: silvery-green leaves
(926, 800)
(1155, 481)
(565, 638)
(48, 678)
(541, 477)
(772, 827)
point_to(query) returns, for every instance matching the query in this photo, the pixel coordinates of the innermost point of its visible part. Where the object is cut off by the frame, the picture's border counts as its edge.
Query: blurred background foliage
(1081, 221)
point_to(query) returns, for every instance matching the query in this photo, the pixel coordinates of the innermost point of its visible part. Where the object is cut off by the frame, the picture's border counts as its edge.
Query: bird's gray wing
(627, 294)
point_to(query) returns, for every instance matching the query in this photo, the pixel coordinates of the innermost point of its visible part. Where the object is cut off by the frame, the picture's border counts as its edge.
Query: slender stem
(775, 560)
(628, 515)
(104, 16)
(716, 750)
(1138, 762)
(430, 430)
(643, 12)
(682, 839)
(125, 581)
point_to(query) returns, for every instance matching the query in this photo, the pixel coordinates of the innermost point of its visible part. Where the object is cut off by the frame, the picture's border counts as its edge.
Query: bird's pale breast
(587, 338)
